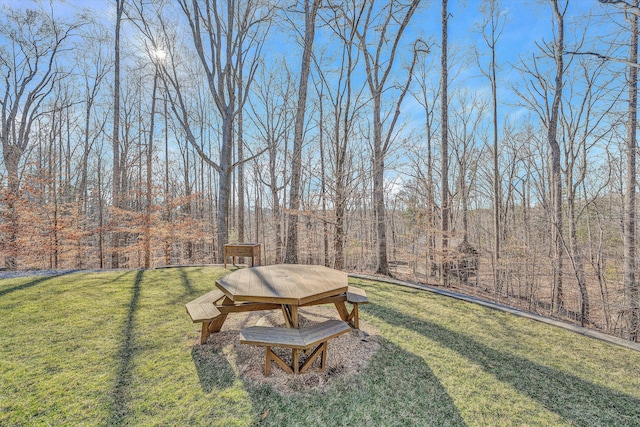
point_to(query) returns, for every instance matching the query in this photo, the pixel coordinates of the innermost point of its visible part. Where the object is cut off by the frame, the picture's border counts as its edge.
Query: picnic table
(285, 287)
(288, 285)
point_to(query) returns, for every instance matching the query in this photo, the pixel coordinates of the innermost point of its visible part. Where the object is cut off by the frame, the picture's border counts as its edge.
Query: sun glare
(158, 55)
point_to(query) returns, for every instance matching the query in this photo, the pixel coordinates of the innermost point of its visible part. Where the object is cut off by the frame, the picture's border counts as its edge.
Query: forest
(391, 137)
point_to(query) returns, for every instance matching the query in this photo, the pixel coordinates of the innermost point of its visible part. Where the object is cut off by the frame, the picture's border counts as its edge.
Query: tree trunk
(557, 303)
(578, 265)
(444, 155)
(630, 283)
(11, 162)
(116, 189)
(378, 189)
(224, 185)
(291, 255)
(167, 196)
(241, 178)
(147, 217)
(323, 190)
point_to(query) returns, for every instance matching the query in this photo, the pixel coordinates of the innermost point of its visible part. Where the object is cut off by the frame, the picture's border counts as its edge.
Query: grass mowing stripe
(542, 344)
(574, 399)
(468, 383)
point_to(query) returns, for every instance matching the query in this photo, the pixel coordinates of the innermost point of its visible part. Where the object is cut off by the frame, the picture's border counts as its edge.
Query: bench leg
(323, 361)
(295, 360)
(217, 323)
(204, 334)
(270, 355)
(350, 317)
(296, 368)
(321, 349)
(211, 327)
(353, 317)
(267, 366)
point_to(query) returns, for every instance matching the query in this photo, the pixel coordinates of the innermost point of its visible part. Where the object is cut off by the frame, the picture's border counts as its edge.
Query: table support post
(294, 316)
(290, 313)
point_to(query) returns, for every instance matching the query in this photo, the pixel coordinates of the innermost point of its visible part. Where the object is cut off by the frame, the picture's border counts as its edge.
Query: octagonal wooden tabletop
(283, 284)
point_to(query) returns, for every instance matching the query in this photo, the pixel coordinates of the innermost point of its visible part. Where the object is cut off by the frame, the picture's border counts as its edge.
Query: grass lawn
(117, 348)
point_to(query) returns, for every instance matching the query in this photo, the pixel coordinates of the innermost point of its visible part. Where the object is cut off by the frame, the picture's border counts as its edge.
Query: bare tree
(379, 37)
(427, 96)
(310, 13)
(469, 113)
(546, 99)
(345, 97)
(227, 38)
(492, 27)
(583, 129)
(630, 280)
(632, 11)
(32, 41)
(552, 139)
(271, 115)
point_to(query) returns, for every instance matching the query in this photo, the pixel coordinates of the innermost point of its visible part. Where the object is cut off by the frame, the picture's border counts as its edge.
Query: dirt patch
(347, 354)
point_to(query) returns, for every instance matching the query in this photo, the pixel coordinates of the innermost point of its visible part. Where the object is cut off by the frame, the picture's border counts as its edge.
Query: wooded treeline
(351, 134)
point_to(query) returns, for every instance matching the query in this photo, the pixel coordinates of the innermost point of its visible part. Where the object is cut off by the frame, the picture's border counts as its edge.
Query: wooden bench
(295, 339)
(202, 310)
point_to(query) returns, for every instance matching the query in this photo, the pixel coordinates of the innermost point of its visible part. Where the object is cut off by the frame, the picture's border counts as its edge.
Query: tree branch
(605, 58)
(627, 6)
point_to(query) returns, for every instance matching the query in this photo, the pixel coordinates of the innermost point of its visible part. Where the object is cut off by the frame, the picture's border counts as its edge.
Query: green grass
(117, 348)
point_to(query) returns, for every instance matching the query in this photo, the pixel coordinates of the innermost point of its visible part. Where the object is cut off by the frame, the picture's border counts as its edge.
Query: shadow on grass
(125, 356)
(32, 283)
(214, 370)
(186, 283)
(397, 388)
(580, 402)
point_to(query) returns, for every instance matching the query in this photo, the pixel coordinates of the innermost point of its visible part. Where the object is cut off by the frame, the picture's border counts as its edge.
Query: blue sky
(528, 22)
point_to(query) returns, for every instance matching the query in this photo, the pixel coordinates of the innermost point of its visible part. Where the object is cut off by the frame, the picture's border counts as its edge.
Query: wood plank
(353, 317)
(202, 309)
(357, 295)
(265, 282)
(245, 307)
(325, 300)
(279, 281)
(202, 312)
(297, 340)
(323, 332)
(271, 336)
(286, 315)
(293, 338)
(342, 310)
(294, 316)
(309, 300)
(315, 279)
